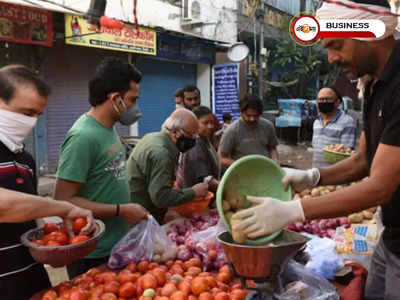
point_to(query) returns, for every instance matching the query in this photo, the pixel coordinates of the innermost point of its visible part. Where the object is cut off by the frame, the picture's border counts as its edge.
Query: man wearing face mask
(152, 165)
(332, 127)
(251, 134)
(91, 172)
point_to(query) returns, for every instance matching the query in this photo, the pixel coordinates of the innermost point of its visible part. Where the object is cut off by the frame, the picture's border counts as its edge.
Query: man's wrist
(296, 208)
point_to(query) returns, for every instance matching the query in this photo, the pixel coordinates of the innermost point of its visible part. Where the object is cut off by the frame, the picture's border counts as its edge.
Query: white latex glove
(268, 216)
(301, 179)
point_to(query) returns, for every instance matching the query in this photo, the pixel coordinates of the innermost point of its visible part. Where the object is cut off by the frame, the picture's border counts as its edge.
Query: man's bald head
(182, 120)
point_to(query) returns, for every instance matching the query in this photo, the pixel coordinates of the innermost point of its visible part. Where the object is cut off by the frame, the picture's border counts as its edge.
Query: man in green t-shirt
(91, 172)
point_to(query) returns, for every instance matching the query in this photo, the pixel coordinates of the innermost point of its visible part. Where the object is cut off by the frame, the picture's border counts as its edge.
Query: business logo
(306, 30)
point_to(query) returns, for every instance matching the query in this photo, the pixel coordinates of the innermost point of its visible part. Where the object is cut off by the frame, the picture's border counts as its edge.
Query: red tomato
(50, 295)
(131, 267)
(40, 242)
(205, 296)
(50, 227)
(126, 276)
(160, 276)
(109, 276)
(112, 287)
(178, 295)
(93, 272)
(128, 289)
(148, 282)
(60, 237)
(78, 239)
(108, 296)
(53, 243)
(199, 285)
(79, 223)
(143, 266)
(222, 296)
(78, 294)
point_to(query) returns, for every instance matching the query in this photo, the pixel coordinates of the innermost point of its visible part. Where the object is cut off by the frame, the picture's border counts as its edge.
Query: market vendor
(23, 97)
(377, 157)
(152, 164)
(91, 171)
(251, 134)
(332, 126)
(202, 160)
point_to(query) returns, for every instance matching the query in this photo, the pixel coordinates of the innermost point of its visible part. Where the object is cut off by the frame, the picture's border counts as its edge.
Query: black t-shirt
(382, 125)
(17, 172)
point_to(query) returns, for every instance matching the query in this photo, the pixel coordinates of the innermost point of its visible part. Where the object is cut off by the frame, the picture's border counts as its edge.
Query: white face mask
(14, 129)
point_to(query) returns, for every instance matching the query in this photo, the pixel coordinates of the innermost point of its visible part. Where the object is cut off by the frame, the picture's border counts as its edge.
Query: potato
(339, 187)
(305, 192)
(158, 248)
(240, 202)
(226, 206)
(297, 197)
(234, 198)
(372, 209)
(315, 192)
(356, 218)
(238, 236)
(307, 197)
(331, 188)
(157, 258)
(368, 215)
(229, 215)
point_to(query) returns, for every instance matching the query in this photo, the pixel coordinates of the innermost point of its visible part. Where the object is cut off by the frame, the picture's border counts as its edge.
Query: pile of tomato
(175, 280)
(57, 235)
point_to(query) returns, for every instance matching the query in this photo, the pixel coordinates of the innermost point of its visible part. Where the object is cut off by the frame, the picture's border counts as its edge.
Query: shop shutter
(68, 70)
(160, 80)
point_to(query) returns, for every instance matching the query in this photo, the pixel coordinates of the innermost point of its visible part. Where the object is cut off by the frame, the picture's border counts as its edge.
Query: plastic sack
(302, 284)
(145, 241)
(324, 260)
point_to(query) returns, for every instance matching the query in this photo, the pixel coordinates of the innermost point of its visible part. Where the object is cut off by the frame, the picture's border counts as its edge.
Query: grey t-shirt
(240, 140)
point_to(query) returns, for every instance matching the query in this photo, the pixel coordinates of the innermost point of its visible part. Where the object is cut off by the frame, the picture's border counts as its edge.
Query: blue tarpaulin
(291, 112)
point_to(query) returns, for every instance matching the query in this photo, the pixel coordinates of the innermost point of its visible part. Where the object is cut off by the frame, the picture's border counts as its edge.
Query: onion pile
(210, 252)
(321, 228)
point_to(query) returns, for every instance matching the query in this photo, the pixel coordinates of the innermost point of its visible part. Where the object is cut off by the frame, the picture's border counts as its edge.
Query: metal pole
(260, 57)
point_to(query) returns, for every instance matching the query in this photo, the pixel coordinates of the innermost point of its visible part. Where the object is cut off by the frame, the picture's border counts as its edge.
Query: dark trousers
(383, 280)
(82, 266)
(23, 285)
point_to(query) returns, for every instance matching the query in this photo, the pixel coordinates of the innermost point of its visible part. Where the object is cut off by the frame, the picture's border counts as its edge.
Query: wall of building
(218, 16)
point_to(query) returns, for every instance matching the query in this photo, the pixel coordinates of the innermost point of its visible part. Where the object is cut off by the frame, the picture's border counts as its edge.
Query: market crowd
(185, 160)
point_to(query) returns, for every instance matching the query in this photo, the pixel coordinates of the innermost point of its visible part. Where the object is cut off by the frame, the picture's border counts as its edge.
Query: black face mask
(184, 144)
(326, 107)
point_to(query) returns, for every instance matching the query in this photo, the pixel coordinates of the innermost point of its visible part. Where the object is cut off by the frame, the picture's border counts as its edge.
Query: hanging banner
(225, 80)
(25, 25)
(127, 39)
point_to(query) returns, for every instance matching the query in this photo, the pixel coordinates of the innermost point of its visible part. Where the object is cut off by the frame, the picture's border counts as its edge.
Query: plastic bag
(145, 241)
(301, 284)
(324, 260)
(205, 241)
(357, 243)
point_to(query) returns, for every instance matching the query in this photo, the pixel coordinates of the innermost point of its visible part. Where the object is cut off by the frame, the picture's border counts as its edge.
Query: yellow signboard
(127, 39)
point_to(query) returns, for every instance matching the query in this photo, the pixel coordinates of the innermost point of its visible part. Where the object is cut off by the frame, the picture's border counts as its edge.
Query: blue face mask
(130, 115)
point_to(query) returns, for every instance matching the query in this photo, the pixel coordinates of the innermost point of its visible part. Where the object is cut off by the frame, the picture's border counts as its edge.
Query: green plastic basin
(253, 175)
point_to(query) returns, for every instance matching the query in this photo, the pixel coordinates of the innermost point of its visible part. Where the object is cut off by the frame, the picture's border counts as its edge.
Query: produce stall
(199, 257)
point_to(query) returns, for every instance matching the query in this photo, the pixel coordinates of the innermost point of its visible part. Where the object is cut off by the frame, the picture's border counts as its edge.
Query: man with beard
(250, 134)
(377, 156)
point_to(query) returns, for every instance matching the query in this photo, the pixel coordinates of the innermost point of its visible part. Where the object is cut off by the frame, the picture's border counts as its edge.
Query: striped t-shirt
(340, 130)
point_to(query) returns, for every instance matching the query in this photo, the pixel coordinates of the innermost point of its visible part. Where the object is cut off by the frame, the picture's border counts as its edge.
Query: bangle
(117, 212)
